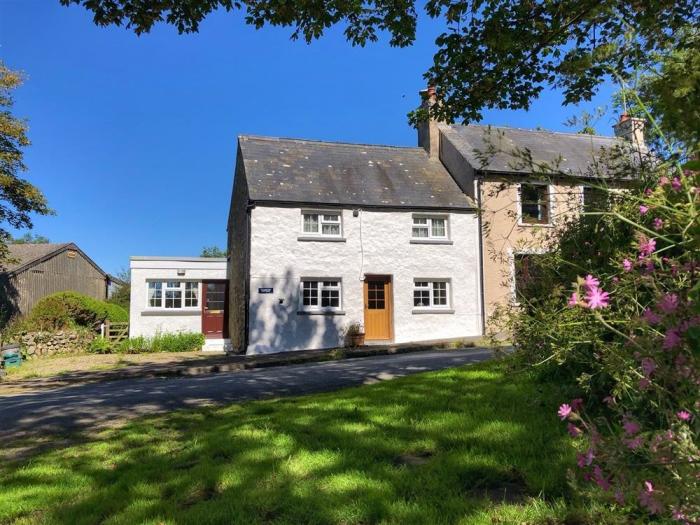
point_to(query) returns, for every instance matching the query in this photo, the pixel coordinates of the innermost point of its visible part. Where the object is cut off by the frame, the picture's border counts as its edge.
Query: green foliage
(615, 316)
(18, 198)
(68, 310)
(492, 53)
(122, 295)
(213, 251)
(176, 342)
(29, 238)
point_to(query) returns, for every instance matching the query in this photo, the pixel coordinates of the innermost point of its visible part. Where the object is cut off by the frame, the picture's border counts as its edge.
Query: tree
(29, 238)
(213, 251)
(492, 54)
(18, 198)
(122, 295)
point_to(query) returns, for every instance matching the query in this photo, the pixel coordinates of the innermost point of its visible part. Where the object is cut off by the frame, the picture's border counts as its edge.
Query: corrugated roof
(577, 153)
(306, 171)
(21, 255)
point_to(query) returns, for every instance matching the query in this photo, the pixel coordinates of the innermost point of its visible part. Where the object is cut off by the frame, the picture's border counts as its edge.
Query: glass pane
(420, 231)
(421, 298)
(331, 229)
(216, 296)
(310, 223)
(310, 293)
(375, 295)
(173, 298)
(191, 294)
(439, 228)
(172, 284)
(331, 218)
(420, 220)
(440, 294)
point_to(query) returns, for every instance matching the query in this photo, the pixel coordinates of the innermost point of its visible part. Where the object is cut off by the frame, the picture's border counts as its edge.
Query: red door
(214, 309)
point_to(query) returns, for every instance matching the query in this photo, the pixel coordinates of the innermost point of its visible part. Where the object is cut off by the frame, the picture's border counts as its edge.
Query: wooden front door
(214, 309)
(378, 308)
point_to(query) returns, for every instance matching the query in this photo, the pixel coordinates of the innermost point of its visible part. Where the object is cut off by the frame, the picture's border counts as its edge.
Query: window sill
(172, 311)
(431, 241)
(320, 312)
(432, 311)
(311, 238)
(535, 225)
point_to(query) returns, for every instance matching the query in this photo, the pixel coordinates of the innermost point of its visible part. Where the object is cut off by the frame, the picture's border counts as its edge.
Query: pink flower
(577, 404)
(671, 339)
(634, 443)
(599, 478)
(648, 366)
(658, 223)
(619, 497)
(591, 282)
(676, 184)
(647, 247)
(643, 209)
(668, 303)
(684, 415)
(573, 430)
(644, 383)
(573, 300)
(627, 265)
(646, 499)
(597, 298)
(663, 180)
(564, 411)
(584, 460)
(631, 427)
(650, 316)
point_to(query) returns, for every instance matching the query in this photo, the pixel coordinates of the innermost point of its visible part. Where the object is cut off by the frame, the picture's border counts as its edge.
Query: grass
(56, 365)
(470, 445)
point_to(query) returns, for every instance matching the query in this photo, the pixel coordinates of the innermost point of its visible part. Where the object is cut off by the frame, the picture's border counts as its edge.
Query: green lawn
(469, 445)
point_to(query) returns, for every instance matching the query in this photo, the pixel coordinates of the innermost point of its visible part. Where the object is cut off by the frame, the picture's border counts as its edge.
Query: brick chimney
(631, 129)
(428, 133)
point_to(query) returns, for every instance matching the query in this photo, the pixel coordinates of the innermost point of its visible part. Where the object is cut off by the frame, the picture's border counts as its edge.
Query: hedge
(179, 342)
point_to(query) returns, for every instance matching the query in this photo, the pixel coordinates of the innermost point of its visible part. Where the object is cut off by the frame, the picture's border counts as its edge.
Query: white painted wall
(377, 242)
(147, 321)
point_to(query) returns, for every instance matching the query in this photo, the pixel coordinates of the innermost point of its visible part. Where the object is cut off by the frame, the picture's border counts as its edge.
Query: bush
(180, 342)
(615, 317)
(70, 309)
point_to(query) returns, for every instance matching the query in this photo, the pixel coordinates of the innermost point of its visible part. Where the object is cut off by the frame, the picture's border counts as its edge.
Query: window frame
(302, 308)
(549, 203)
(432, 307)
(429, 218)
(321, 222)
(585, 187)
(182, 288)
(512, 255)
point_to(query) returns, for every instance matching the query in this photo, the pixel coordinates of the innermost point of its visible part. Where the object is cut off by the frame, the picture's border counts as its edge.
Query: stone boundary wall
(39, 344)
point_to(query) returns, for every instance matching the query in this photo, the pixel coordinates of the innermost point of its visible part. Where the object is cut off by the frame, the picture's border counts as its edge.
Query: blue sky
(134, 138)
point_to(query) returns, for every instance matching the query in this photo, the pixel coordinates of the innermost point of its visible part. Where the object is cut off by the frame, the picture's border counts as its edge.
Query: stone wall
(38, 344)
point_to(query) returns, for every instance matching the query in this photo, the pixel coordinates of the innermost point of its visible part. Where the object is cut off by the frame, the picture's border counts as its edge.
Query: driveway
(91, 406)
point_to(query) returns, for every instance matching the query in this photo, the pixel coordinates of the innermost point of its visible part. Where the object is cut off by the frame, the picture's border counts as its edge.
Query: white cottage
(323, 235)
(180, 294)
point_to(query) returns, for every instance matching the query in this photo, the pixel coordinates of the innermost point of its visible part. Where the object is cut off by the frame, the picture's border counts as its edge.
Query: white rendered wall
(147, 321)
(279, 260)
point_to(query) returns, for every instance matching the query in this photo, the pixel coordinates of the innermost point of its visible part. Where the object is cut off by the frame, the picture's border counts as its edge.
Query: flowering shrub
(615, 314)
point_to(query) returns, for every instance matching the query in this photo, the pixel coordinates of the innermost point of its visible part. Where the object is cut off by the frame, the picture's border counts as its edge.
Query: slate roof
(578, 152)
(307, 171)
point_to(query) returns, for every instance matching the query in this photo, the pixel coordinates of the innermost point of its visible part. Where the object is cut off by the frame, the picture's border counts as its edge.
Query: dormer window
(322, 224)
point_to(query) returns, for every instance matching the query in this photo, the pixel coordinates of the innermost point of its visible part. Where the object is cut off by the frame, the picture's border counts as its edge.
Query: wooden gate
(116, 332)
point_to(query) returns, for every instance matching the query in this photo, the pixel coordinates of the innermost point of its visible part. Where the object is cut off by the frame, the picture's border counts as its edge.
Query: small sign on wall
(265, 290)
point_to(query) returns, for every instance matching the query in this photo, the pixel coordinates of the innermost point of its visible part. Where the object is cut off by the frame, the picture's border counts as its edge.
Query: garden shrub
(69, 309)
(615, 317)
(178, 342)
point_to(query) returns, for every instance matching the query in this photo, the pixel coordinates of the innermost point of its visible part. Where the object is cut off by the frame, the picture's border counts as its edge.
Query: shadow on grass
(326, 458)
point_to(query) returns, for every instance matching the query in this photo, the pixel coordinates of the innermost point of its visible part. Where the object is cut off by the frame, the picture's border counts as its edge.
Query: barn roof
(24, 256)
(334, 173)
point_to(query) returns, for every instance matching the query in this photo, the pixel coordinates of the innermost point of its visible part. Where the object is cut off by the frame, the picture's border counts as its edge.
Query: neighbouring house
(323, 235)
(519, 201)
(34, 271)
(180, 294)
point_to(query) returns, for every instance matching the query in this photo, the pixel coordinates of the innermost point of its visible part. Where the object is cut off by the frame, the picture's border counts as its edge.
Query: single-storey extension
(180, 294)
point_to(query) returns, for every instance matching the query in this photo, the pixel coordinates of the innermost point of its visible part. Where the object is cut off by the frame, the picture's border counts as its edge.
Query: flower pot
(357, 340)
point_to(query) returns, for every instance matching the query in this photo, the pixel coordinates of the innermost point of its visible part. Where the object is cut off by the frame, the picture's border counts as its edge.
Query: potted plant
(354, 335)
